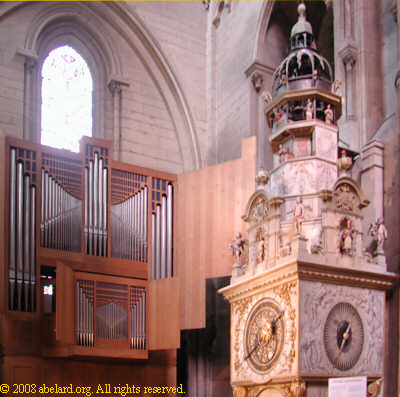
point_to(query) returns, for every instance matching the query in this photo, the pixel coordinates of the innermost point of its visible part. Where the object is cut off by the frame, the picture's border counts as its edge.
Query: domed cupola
(304, 67)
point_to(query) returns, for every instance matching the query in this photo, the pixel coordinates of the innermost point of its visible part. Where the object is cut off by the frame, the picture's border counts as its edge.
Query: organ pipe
(96, 193)
(60, 222)
(22, 238)
(162, 237)
(138, 323)
(129, 229)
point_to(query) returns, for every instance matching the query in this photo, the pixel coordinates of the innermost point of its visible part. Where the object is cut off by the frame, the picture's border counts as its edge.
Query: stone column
(29, 132)
(372, 182)
(349, 59)
(115, 86)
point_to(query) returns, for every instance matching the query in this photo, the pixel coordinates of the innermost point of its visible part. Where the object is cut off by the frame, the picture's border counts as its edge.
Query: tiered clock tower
(307, 304)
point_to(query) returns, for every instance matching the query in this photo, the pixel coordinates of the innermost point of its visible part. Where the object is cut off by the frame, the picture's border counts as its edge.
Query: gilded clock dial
(264, 335)
(343, 336)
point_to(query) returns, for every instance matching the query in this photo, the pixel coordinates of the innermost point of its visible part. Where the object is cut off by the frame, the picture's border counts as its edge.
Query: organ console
(106, 226)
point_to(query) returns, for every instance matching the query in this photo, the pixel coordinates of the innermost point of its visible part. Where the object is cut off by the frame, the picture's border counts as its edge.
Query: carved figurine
(309, 109)
(237, 247)
(298, 212)
(346, 239)
(260, 248)
(277, 117)
(344, 163)
(379, 232)
(282, 154)
(328, 114)
(262, 177)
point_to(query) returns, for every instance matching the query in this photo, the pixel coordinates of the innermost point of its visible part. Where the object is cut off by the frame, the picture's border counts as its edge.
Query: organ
(105, 230)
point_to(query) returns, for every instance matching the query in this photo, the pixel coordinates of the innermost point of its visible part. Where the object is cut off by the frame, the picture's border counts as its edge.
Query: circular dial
(264, 335)
(343, 336)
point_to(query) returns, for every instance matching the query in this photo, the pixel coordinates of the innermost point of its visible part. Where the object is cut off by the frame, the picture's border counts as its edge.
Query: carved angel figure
(237, 247)
(379, 232)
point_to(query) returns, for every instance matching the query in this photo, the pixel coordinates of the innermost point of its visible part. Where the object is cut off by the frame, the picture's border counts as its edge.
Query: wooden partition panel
(65, 304)
(3, 217)
(164, 314)
(211, 202)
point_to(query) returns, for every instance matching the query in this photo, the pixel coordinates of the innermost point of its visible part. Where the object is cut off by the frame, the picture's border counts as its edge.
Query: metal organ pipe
(169, 230)
(22, 238)
(158, 242)
(163, 231)
(105, 206)
(153, 247)
(13, 217)
(96, 192)
(32, 271)
(138, 322)
(128, 223)
(162, 237)
(61, 216)
(85, 318)
(26, 240)
(20, 198)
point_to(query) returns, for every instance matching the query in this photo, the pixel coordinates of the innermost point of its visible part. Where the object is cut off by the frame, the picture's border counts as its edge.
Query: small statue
(237, 247)
(344, 163)
(346, 239)
(277, 117)
(309, 109)
(260, 248)
(262, 177)
(379, 232)
(298, 212)
(282, 154)
(328, 114)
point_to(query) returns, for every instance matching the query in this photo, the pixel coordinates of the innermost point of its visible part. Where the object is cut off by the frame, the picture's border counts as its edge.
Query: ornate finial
(262, 178)
(301, 9)
(302, 25)
(298, 388)
(374, 388)
(344, 163)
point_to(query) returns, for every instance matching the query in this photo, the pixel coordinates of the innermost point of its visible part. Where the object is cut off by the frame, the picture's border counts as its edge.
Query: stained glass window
(66, 99)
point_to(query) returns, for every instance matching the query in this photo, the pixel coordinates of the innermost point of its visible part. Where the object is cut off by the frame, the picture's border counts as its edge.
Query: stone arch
(257, 207)
(82, 26)
(348, 195)
(78, 27)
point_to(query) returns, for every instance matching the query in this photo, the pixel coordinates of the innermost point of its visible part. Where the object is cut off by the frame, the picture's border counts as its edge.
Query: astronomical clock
(307, 301)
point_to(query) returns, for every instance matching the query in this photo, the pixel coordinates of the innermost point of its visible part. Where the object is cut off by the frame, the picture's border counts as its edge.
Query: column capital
(349, 55)
(115, 84)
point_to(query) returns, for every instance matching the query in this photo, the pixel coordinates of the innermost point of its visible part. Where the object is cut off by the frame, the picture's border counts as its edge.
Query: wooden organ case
(97, 236)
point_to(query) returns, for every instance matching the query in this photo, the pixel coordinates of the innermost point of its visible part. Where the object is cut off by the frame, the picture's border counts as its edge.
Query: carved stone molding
(257, 80)
(222, 4)
(349, 55)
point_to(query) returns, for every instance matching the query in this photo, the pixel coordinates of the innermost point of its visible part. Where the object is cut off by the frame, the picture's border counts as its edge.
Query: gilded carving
(239, 392)
(284, 292)
(254, 391)
(345, 199)
(259, 210)
(298, 388)
(240, 309)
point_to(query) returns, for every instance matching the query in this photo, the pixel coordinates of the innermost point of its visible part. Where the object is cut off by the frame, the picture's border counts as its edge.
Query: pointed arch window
(67, 88)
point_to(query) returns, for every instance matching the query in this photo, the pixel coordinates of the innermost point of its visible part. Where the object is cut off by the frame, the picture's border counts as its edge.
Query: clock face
(264, 335)
(343, 336)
